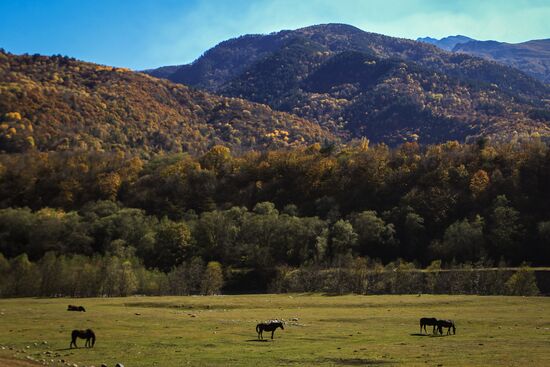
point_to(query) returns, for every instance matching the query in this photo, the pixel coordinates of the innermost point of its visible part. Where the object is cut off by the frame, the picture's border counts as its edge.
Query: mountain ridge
(446, 43)
(465, 95)
(531, 57)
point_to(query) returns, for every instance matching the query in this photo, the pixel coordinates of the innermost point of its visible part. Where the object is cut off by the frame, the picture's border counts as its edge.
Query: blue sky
(148, 33)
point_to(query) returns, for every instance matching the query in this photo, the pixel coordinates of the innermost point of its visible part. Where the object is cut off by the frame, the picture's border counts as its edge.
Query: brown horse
(87, 334)
(430, 321)
(449, 324)
(271, 326)
(75, 308)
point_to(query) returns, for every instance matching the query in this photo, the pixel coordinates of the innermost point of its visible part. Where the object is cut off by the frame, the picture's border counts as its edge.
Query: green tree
(505, 230)
(375, 237)
(172, 244)
(523, 283)
(216, 234)
(4, 275)
(25, 278)
(195, 271)
(127, 279)
(178, 280)
(212, 280)
(342, 238)
(463, 241)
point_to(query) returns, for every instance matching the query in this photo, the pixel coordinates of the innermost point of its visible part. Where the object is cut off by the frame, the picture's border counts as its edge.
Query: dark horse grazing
(87, 334)
(447, 324)
(430, 321)
(75, 308)
(272, 326)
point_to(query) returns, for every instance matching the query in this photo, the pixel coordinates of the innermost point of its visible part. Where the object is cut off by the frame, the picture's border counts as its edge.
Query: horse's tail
(258, 328)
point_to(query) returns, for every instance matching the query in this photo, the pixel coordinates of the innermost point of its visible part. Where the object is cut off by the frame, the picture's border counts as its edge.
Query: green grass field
(329, 331)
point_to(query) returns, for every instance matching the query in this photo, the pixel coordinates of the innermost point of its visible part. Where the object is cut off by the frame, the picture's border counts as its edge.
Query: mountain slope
(532, 57)
(357, 83)
(56, 103)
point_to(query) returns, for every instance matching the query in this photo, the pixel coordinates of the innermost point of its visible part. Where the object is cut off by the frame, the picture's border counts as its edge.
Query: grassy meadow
(320, 331)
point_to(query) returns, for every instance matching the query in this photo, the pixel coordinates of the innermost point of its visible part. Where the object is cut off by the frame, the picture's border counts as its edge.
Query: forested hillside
(58, 103)
(531, 57)
(457, 203)
(356, 84)
(405, 156)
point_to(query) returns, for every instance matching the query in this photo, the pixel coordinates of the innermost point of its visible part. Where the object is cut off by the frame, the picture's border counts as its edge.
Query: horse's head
(282, 326)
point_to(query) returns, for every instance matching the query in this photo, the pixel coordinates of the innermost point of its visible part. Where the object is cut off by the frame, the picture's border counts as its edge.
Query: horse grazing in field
(271, 326)
(87, 334)
(429, 321)
(449, 324)
(76, 308)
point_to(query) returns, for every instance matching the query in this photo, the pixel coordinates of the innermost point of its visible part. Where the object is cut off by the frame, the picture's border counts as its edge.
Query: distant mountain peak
(331, 27)
(446, 43)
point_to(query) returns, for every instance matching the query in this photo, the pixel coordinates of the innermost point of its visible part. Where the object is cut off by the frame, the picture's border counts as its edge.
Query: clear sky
(148, 33)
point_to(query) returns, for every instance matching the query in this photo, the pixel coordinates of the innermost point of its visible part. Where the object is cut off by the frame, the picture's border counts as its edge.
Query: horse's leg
(273, 332)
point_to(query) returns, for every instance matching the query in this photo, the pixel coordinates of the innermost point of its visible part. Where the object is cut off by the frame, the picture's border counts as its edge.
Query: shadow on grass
(429, 335)
(258, 340)
(356, 361)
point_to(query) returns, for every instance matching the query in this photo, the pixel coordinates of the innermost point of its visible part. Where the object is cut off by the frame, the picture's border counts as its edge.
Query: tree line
(461, 202)
(121, 273)
(115, 274)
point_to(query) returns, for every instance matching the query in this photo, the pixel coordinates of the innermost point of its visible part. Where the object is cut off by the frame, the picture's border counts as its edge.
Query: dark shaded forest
(459, 203)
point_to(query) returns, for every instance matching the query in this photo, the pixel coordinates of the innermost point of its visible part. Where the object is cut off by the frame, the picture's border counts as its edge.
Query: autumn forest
(388, 157)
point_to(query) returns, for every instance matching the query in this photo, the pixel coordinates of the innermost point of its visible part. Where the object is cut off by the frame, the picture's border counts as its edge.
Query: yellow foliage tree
(479, 182)
(12, 116)
(109, 184)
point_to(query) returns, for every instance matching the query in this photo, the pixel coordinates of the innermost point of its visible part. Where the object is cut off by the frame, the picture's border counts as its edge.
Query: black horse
(75, 308)
(429, 321)
(449, 324)
(87, 334)
(272, 326)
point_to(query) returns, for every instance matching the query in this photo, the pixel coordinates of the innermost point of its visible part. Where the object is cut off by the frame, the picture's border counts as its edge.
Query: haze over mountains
(531, 57)
(356, 83)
